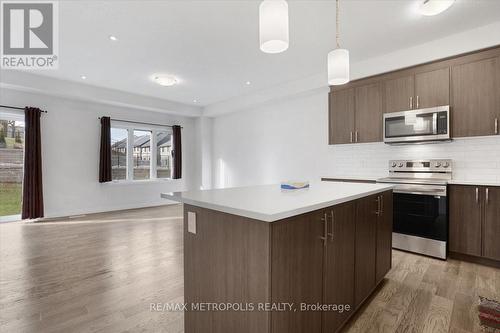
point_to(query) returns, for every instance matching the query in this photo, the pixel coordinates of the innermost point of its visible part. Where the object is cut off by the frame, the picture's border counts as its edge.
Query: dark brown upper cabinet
(475, 89)
(399, 94)
(341, 116)
(469, 83)
(418, 91)
(368, 113)
(432, 88)
(355, 115)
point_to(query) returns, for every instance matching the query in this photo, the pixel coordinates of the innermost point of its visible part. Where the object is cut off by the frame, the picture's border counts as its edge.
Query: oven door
(421, 213)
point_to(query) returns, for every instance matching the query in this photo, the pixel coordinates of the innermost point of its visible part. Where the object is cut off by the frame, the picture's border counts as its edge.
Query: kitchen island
(262, 259)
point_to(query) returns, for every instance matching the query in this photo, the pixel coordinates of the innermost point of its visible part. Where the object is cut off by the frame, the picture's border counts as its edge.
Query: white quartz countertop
(474, 182)
(269, 203)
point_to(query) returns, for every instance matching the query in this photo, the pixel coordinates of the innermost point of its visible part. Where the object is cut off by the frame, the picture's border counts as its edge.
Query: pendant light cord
(337, 33)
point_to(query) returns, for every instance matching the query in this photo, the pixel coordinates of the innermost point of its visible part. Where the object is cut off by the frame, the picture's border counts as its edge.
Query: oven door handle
(431, 192)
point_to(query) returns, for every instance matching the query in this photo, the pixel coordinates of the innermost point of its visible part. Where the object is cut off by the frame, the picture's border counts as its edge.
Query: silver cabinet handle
(351, 136)
(378, 205)
(477, 195)
(331, 225)
(325, 228)
(356, 136)
(411, 103)
(487, 195)
(417, 101)
(496, 125)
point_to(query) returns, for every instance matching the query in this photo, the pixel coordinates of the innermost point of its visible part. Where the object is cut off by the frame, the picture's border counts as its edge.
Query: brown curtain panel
(105, 151)
(32, 184)
(177, 152)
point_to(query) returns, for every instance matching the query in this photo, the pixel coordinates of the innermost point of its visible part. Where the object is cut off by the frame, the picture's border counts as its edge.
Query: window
(163, 154)
(11, 165)
(142, 158)
(140, 153)
(119, 140)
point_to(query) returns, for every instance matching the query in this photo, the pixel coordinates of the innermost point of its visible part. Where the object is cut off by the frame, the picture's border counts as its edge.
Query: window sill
(141, 181)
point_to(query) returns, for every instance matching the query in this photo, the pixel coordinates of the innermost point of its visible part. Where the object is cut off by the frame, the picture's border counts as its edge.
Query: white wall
(70, 153)
(289, 140)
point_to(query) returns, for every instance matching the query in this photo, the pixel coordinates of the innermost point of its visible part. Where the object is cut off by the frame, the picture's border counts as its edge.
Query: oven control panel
(434, 165)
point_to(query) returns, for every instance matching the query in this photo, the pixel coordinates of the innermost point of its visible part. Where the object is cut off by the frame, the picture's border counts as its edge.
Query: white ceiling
(213, 46)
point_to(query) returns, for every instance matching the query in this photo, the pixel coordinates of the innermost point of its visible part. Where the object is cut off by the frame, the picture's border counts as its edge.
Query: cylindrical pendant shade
(273, 26)
(338, 67)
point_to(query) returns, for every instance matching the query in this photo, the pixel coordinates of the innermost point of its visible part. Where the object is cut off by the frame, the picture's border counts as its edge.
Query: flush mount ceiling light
(434, 7)
(338, 59)
(165, 80)
(273, 26)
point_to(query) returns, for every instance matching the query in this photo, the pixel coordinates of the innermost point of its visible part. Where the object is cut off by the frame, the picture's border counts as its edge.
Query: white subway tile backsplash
(475, 158)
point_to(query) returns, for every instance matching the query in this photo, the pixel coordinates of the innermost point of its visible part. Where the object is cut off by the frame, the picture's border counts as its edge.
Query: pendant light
(338, 59)
(273, 26)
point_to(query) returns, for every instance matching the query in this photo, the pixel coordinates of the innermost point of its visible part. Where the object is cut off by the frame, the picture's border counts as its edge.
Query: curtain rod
(139, 122)
(16, 108)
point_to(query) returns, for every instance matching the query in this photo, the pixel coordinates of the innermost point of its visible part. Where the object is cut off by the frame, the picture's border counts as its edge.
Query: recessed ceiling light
(434, 7)
(113, 38)
(83, 77)
(195, 101)
(248, 83)
(165, 80)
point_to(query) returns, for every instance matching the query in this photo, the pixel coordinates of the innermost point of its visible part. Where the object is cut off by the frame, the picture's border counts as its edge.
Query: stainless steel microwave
(431, 124)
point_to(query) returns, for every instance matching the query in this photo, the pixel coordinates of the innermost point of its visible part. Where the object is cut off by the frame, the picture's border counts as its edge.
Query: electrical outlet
(192, 222)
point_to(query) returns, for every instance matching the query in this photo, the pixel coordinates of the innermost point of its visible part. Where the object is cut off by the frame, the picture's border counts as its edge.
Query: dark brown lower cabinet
(322, 257)
(297, 270)
(475, 221)
(384, 236)
(339, 268)
(491, 233)
(366, 244)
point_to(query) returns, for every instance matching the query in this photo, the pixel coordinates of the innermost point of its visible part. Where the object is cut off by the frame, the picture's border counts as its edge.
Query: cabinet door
(384, 236)
(474, 98)
(368, 113)
(491, 232)
(432, 88)
(465, 219)
(339, 268)
(297, 271)
(341, 116)
(366, 239)
(399, 94)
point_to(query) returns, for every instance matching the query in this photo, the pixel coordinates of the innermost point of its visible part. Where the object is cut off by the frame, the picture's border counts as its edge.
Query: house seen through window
(140, 154)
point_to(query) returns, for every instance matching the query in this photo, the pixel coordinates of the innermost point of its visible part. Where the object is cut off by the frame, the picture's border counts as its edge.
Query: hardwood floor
(100, 273)
(93, 274)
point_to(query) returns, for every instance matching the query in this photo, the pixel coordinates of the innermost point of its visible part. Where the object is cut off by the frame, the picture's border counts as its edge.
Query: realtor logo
(29, 35)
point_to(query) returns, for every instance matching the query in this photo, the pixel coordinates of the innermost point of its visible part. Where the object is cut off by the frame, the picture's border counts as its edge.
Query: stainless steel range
(420, 205)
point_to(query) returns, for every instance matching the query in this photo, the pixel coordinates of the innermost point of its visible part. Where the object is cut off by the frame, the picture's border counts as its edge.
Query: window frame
(131, 127)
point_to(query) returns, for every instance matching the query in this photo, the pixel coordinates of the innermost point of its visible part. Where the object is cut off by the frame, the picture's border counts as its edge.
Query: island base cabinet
(297, 251)
(313, 258)
(339, 268)
(366, 244)
(225, 261)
